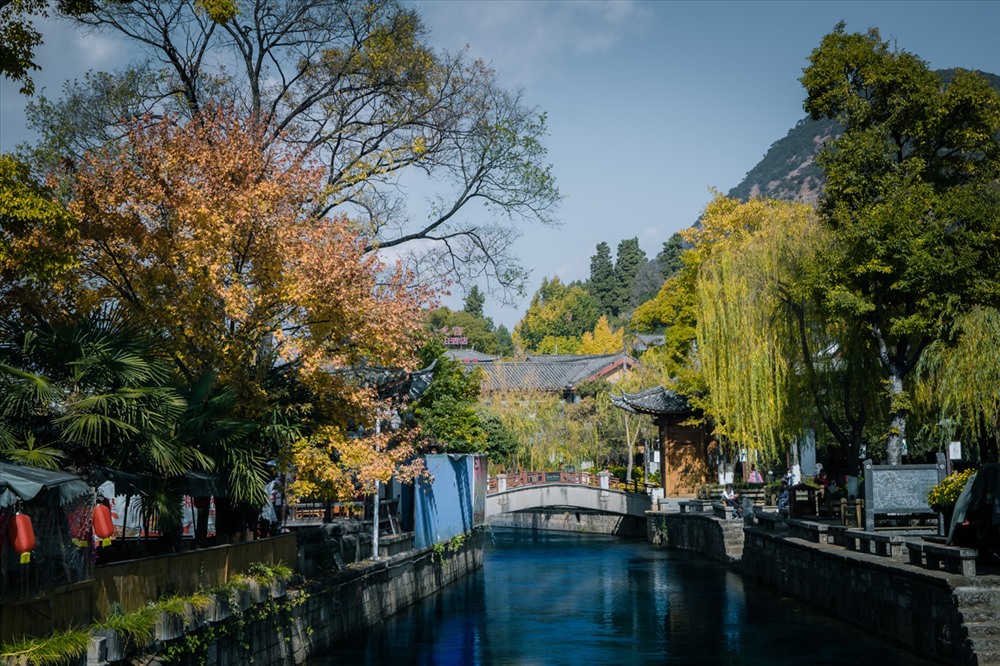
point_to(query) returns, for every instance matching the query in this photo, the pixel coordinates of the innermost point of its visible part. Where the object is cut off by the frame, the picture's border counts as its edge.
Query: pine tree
(630, 258)
(602, 278)
(474, 301)
(670, 256)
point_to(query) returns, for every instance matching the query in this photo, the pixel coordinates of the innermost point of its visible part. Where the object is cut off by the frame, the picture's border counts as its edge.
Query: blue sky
(650, 104)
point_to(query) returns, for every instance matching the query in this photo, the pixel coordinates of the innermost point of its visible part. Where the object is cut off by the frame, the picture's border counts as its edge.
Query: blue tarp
(453, 501)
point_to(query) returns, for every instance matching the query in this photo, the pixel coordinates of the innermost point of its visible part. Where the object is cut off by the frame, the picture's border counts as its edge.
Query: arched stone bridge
(566, 502)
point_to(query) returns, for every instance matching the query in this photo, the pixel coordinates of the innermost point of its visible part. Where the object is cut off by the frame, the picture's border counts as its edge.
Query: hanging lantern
(22, 536)
(103, 527)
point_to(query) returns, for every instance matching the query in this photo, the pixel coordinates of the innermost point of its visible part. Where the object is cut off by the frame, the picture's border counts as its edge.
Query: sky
(650, 105)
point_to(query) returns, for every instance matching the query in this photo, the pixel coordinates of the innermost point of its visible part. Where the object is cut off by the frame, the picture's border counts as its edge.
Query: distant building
(561, 373)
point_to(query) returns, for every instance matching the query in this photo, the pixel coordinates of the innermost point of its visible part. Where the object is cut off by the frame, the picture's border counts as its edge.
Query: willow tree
(960, 380)
(746, 343)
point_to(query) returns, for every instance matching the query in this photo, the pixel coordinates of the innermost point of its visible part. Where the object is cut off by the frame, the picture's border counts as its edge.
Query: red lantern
(22, 536)
(103, 527)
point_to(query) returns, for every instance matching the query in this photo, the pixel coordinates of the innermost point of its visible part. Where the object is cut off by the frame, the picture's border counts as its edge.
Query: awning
(31, 484)
(195, 484)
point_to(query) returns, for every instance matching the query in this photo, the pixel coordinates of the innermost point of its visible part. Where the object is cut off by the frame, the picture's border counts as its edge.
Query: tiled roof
(657, 400)
(469, 356)
(550, 373)
(644, 341)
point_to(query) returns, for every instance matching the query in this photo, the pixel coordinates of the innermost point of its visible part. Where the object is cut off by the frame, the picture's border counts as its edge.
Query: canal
(553, 599)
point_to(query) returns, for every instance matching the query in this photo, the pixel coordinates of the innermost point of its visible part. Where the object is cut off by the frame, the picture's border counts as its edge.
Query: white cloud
(530, 41)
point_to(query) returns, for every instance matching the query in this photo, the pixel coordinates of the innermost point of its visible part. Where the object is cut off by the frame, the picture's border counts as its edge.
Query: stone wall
(571, 521)
(914, 607)
(720, 539)
(931, 612)
(291, 627)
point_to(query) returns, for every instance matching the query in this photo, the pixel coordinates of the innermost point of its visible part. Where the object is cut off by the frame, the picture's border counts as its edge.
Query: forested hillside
(788, 171)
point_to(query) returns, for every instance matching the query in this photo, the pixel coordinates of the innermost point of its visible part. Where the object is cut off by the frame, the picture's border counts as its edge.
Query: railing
(523, 479)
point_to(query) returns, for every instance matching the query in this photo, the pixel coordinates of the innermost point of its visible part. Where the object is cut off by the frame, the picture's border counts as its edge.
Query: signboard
(899, 489)
(955, 451)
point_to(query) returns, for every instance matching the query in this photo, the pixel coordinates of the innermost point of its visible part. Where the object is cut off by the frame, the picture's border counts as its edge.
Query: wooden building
(683, 448)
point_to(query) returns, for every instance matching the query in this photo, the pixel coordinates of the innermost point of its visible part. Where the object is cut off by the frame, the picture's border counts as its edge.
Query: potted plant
(944, 495)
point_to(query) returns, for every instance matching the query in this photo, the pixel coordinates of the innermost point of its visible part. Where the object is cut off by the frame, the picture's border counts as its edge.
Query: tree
(746, 347)
(629, 260)
(670, 256)
(354, 87)
(443, 321)
(911, 197)
(556, 311)
(958, 380)
(602, 278)
(603, 340)
(208, 239)
(203, 235)
(19, 37)
(447, 411)
(35, 235)
(474, 301)
(646, 285)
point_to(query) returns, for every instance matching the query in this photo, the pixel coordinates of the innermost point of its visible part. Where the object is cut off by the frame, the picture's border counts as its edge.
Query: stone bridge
(566, 502)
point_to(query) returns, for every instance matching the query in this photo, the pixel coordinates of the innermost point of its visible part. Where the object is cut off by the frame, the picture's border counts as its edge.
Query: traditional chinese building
(683, 447)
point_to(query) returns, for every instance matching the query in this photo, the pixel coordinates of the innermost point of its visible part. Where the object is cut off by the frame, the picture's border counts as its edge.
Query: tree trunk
(897, 420)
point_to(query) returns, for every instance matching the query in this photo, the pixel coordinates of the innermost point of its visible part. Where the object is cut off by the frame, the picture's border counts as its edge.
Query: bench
(954, 559)
(874, 543)
(807, 530)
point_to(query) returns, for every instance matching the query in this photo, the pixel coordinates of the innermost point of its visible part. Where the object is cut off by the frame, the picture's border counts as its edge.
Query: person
(783, 495)
(820, 478)
(731, 499)
(755, 475)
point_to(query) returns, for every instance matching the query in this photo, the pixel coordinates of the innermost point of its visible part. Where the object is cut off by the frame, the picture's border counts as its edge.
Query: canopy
(195, 484)
(27, 484)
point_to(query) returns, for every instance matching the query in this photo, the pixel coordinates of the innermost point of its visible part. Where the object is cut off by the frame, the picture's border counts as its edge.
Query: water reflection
(568, 599)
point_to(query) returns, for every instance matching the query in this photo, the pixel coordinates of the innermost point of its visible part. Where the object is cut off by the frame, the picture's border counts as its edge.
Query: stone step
(977, 597)
(972, 614)
(984, 630)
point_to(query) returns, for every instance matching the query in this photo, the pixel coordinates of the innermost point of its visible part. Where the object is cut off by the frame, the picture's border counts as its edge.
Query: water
(553, 599)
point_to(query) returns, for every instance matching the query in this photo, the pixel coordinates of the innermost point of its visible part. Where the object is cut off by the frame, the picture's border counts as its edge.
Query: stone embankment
(948, 616)
(290, 626)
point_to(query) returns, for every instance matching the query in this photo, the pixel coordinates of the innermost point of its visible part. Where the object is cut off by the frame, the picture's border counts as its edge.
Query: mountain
(789, 171)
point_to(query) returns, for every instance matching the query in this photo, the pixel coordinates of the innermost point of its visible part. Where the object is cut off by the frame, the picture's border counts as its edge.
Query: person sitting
(755, 475)
(731, 499)
(783, 495)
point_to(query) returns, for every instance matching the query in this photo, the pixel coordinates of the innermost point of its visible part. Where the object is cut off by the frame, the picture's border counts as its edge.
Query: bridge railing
(522, 479)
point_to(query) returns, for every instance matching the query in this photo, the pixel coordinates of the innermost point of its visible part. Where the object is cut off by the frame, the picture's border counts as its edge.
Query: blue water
(553, 599)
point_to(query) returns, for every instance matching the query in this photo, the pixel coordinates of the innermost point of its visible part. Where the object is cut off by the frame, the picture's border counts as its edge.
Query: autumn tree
(911, 197)
(208, 238)
(354, 88)
(602, 340)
